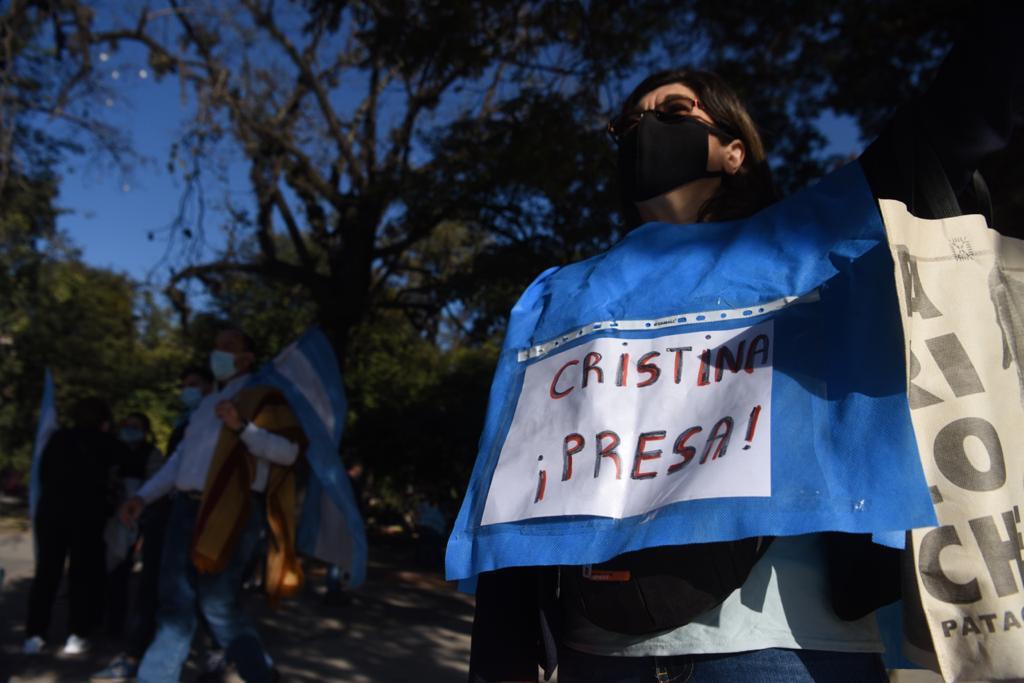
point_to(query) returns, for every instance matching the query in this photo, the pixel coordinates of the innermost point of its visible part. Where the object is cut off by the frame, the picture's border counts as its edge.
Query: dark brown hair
(751, 188)
(198, 370)
(91, 413)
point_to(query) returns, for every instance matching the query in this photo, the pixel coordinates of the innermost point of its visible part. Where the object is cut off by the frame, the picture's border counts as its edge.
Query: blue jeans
(183, 591)
(773, 665)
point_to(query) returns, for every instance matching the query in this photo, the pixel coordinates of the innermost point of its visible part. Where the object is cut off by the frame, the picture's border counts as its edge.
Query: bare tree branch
(265, 20)
(276, 269)
(293, 229)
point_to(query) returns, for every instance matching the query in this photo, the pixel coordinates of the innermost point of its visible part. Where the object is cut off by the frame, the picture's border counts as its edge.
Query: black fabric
(506, 628)
(657, 156)
(968, 112)
(77, 494)
(660, 588)
(62, 537)
(863, 575)
(77, 472)
(134, 466)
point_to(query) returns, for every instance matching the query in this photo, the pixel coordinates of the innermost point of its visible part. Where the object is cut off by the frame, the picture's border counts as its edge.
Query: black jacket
(77, 472)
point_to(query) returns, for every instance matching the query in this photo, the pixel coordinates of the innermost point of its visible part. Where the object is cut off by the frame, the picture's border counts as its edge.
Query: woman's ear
(734, 154)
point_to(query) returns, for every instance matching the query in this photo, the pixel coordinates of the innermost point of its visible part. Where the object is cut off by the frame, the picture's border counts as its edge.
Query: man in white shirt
(220, 451)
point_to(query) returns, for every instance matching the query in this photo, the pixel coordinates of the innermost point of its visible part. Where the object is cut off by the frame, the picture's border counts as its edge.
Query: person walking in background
(231, 471)
(76, 498)
(195, 384)
(145, 458)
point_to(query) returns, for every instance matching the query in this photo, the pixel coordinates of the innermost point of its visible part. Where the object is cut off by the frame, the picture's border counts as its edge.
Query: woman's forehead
(659, 94)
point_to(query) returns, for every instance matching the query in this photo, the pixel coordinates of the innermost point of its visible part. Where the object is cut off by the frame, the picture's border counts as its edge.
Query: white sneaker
(76, 645)
(33, 645)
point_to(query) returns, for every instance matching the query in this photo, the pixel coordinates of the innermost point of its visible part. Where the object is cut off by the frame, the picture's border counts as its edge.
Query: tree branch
(293, 229)
(265, 20)
(276, 269)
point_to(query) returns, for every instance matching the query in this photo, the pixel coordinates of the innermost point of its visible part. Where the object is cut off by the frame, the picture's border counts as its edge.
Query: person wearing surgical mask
(74, 476)
(214, 528)
(195, 383)
(135, 431)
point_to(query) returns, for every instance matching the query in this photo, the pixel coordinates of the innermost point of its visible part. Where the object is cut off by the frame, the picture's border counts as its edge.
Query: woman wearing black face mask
(689, 153)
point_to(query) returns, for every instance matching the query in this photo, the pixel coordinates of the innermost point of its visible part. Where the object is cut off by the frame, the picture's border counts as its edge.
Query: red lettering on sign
(608, 451)
(682, 450)
(758, 348)
(569, 451)
(555, 393)
(678, 369)
(725, 357)
(719, 438)
(590, 362)
(642, 454)
(704, 372)
(645, 367)
(623, 374)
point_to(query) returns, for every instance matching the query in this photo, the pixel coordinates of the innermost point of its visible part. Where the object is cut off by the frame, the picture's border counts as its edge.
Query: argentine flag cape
(330, 527)
(44, 430)
(701, 383)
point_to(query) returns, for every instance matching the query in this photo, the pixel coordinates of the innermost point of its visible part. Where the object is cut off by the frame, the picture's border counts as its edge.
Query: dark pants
(184, 592)
(62, 535)
(773, 665)
(118, 582)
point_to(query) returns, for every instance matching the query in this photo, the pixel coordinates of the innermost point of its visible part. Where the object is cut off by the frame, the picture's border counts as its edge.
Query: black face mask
(655, 156)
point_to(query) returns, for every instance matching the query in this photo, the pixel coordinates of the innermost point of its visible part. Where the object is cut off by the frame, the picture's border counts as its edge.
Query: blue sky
(109, 215)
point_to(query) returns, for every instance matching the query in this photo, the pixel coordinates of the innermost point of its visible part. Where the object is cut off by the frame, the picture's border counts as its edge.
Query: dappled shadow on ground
(404, 624)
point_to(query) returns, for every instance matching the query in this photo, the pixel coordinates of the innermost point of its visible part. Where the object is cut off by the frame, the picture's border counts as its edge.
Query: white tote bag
(961, 290)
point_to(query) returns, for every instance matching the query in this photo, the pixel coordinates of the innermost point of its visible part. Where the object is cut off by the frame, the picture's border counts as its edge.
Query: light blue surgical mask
(222, 364)
(131, 436)
(191, 397)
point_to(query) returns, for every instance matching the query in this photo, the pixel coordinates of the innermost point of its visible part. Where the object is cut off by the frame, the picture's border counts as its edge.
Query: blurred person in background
(145, 458)
(195, 383)
(231, 474)
(76, 498)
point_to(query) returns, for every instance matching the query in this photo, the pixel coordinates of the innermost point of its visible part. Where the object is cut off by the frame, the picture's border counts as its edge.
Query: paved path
(402, 625)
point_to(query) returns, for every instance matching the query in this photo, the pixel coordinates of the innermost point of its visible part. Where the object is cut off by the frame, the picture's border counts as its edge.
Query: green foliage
(98, 336)
(54, 311)
(415, 411)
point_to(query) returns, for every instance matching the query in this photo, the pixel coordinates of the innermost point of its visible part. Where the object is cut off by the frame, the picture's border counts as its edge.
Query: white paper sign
(620, 427)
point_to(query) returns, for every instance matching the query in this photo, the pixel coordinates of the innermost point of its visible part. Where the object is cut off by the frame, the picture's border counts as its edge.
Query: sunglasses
(673, 109)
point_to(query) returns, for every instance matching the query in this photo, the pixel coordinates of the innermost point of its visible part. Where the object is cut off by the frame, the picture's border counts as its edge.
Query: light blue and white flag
(44, 430)
(701, 383)
(330, 526)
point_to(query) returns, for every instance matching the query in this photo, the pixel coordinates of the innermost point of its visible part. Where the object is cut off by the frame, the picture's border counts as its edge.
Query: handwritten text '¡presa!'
(711, 365)
(607, 444)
